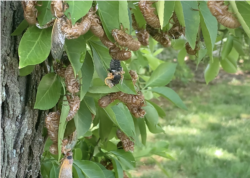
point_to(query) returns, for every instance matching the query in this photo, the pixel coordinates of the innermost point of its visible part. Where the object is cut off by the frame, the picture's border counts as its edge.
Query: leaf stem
(240, 18)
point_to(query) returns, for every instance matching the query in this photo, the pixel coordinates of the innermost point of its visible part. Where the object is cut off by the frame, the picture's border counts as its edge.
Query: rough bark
(21, 126)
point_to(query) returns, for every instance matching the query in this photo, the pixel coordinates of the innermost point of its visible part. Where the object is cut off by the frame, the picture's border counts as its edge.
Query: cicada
(116, 73)
(57, 39)
(66, 166)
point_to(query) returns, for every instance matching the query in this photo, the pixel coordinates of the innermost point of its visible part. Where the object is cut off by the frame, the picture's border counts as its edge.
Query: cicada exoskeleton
(223, 16)
(30, 11)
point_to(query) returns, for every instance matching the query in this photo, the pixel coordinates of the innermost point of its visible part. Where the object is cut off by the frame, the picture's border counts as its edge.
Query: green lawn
(210, 140)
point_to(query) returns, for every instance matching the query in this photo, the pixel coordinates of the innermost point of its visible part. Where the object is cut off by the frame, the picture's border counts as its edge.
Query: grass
(210, 140)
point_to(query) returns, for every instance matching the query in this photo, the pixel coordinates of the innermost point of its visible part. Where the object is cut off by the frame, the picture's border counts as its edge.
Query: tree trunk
(21, 126)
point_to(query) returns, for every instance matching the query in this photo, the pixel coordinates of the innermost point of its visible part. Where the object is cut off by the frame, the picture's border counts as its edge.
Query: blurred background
(211, 138)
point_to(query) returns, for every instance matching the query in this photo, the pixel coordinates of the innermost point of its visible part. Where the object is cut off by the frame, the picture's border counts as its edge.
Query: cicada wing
(66, 169)
(66, 166)
(57, 39)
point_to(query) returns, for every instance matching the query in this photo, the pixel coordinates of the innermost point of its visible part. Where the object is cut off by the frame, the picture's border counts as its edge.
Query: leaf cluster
(90, 59)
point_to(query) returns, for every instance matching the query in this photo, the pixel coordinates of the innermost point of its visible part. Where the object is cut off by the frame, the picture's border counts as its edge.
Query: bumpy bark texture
(21, 126)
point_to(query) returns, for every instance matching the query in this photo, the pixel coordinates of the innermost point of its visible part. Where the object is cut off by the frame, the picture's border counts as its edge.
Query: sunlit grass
(210, 140)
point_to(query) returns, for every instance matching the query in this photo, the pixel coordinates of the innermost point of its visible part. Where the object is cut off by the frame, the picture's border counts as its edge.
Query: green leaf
(123, 14)
(178, 44)
(62, 124)
(148, 95)
(90, 102)
(26, 70)
(201, 54)
(111, 114)
(108, 173)
(83, 120)
(48, 93)
(21, 27)
(124, 119)
(77, 154)
(108, 11)
(238, 46)
(77, 173)
(77, 9)
(105, 124)
(181, 56)
(44, 12)
(162, 75)
(192, 21)
(117, 167)
(89, 168)
(70, 128)
(209, 26)
(212, 70)
(126, 158)
(87, 75)
(179, 12)
(46, 167)
(244, 10)
(137, 130)
(152, 119)
(159, 148)
(34, 47)
(143, 130)
(158, 51)
(227, 47)
(165, 10)
(230, 63)
(102, 89)
(99, 53)
(76, 51)
(170, 95)
(244, 21)
(54, 171)
(139, 17)
(109, 146)
(160, 111)
(152, 60)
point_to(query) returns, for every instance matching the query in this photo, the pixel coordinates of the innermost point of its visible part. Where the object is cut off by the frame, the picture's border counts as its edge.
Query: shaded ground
(211, 139)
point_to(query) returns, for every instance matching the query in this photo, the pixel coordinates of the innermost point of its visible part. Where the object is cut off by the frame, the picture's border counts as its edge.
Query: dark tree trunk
(21, 126)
